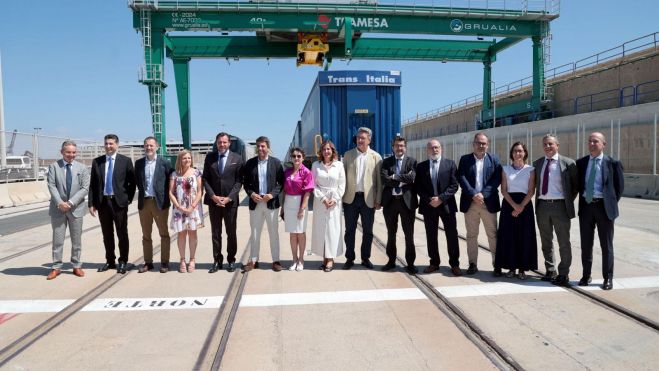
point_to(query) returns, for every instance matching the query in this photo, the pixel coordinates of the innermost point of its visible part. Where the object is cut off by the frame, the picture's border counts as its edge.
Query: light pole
(35, 156)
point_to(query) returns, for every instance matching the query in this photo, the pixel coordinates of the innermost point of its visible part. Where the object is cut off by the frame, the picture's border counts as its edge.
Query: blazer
(57, 187)
(372, 180)
(613, 184)
(228, 183)
(407, 175)
(491, 181)
(569, 180)
(446, 189)
(275, 180)
(123, 181)
(163, 170)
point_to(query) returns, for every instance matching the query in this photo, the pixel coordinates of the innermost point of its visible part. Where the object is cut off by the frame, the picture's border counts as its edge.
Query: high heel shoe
(191, 266)
(181, 267)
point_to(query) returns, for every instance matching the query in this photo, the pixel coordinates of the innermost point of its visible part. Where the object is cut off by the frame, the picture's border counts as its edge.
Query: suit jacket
(123, 181)
(446, 188)
(372, 180)
(57, 187)
(491, 181)
(613, 184)
(275, 176)
(569, 180)
(406, 175)
(163, 170)
(228, 183)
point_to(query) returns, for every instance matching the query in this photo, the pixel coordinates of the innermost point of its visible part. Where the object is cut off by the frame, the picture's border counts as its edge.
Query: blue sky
(70, 67)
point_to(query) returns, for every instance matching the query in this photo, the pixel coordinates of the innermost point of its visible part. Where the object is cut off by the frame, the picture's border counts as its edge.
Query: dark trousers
(114, 216)
(228, 215)
(590, 216)
(352, 212)
(392, 211)
(431, 222)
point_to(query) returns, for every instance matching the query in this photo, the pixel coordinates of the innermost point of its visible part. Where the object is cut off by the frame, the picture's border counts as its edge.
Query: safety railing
(641, 44)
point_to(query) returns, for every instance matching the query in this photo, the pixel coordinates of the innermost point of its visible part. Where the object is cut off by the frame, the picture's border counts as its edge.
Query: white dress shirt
(149, 170)
(399, 164)
(107, 163)
(361, 168)
(555, 185)
(263, 176)
(479, 173)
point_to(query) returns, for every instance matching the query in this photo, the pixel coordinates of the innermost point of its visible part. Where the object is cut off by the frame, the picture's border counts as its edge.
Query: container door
(358, 120)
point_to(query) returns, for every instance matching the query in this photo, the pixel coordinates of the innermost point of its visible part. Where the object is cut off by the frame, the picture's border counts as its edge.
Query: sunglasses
(296, 156)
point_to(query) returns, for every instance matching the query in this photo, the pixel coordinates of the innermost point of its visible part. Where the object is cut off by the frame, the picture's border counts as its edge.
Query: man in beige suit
(362, 196)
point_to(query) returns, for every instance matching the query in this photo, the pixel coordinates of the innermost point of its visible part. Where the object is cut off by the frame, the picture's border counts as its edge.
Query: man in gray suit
(556, 189)
(68, 183)
(152, 177)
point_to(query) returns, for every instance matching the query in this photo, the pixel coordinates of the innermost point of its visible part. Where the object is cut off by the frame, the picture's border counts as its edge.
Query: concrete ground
(357, 319)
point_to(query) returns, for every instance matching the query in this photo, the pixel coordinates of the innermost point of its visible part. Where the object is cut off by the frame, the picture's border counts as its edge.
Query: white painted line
(310, 298)
(331, 297)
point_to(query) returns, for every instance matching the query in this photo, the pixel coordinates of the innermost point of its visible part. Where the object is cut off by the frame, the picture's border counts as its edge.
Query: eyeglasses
(482, 144)
(296, 156)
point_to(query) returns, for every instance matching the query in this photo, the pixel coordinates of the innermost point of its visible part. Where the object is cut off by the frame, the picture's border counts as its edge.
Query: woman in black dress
(516, 243)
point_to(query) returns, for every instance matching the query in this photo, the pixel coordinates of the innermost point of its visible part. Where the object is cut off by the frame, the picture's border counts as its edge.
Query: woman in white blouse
(330, 184)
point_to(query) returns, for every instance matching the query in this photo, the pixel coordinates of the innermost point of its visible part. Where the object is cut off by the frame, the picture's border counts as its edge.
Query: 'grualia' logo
(456, 25)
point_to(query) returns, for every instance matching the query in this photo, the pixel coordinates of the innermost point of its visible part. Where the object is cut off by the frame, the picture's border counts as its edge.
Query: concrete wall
(23, 193)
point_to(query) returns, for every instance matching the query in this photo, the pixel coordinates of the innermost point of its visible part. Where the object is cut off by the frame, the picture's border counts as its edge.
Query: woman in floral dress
(185, 191)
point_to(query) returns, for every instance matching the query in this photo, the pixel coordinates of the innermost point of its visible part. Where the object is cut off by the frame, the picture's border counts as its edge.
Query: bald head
(596, 143)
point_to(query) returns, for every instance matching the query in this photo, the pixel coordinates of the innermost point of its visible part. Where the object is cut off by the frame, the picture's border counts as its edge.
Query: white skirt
(291, 208)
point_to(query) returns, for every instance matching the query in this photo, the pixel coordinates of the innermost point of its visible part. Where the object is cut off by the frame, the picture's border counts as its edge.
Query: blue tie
(69, 181)
(108, 179)
(397, 189)
(222, 163)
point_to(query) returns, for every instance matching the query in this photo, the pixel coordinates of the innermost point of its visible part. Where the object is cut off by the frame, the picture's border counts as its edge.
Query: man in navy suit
(436, 183)
(152, 177)
(111, 190)
(479, 174)
(601, 182)
(222, 182)
(399, 200)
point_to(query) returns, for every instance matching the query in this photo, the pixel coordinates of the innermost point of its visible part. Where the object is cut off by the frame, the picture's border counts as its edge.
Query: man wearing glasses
(479, 174)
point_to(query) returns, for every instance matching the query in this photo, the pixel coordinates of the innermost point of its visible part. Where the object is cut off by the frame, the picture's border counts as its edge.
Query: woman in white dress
(330, 184)
(185, 192)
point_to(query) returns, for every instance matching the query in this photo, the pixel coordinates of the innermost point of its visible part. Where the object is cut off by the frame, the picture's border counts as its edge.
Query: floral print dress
(186, 192)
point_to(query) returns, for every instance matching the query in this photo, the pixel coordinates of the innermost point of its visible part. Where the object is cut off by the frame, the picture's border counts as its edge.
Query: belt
(397, 197)
(109, 197)
(596, 200)
(149, 197)
(359, 193)
(553, 200)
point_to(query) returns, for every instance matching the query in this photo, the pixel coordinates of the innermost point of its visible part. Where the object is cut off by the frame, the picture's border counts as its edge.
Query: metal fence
(631, 134)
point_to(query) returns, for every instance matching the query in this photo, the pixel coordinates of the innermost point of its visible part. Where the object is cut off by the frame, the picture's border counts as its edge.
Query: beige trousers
(148, 215)
(473, 217)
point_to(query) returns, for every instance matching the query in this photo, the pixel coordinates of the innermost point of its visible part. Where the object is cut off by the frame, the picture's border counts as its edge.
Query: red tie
(545, 177)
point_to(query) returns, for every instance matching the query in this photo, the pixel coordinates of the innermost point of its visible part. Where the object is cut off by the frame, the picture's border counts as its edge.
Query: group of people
(346, 190)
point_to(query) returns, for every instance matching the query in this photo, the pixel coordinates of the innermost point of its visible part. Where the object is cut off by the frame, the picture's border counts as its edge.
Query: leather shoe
(164, 267)
(145, 268)
(584, 281)
(107, 266)
(472, 269)
(348, 264)
(497, 272)
(367, 263)
(411, 269)
(389, 266)
(277, 267)
(231, 267)
(53, 274)
(78, 272)
(549, 276)
(215, 267)
(249, 266)
(608, 284)
(456, 271)
(431, 269)
(121, 268)
(561, 280)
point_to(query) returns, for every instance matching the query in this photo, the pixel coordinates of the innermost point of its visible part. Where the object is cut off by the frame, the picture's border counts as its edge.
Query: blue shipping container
(342, 101)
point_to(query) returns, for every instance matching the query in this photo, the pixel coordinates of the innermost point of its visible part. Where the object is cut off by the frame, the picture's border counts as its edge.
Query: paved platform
(357, 319)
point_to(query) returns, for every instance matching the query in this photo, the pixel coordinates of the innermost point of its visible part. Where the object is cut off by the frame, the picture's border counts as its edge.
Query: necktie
(545, 177)
(434, 176)
(397, 189)
(222, 163)
(69, 181)
(108, 178)
(590, 184)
